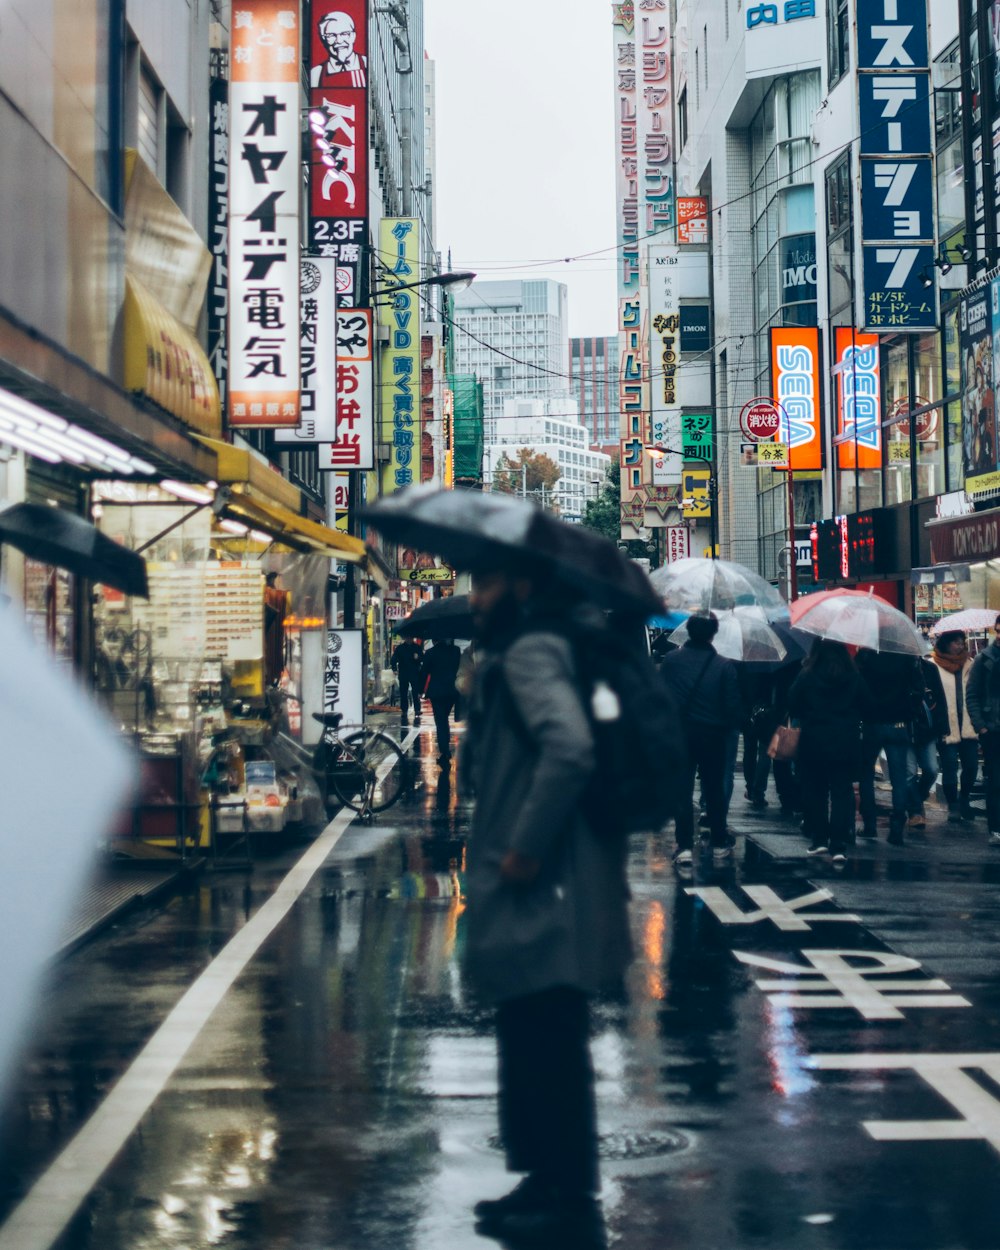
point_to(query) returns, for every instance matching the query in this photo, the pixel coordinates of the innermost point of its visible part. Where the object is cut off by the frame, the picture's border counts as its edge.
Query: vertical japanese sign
(795, 387)
(979, 435)
(338, 142)
(653, 101)
(354, 447)
(979, 32)
(264, 214)
(343, 675)
(896, 209)
(399, 248)
(859, 399)
(664, 355)
(633, 428)
(317, 358)
(218, 227)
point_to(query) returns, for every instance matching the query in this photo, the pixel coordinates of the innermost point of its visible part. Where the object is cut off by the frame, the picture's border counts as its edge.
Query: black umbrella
(440, 618)
(479, 532)
(67, 541)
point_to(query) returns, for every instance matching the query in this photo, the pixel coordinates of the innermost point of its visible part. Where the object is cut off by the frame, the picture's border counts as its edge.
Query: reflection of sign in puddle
(420, 885)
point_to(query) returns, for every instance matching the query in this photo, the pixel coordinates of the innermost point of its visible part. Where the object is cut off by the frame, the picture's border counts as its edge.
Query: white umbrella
(695, 584)
(744, 634)
(858, 619)
(970, 621)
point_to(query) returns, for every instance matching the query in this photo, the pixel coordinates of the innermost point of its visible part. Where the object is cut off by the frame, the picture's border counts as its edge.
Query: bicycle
(365, 770)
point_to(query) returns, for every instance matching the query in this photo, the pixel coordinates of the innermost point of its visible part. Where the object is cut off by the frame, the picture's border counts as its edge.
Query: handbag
(785, 743)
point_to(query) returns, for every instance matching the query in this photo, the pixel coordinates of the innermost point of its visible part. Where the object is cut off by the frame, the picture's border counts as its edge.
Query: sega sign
(859, 398)
(795, 386)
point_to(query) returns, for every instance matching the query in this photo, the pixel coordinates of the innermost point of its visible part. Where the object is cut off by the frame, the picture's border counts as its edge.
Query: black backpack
(634, 719)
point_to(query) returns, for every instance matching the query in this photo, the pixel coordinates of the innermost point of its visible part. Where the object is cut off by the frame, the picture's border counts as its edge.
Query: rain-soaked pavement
(758, 1088)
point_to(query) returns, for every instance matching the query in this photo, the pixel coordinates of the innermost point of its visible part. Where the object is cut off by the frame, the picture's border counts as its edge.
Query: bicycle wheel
(371, 772)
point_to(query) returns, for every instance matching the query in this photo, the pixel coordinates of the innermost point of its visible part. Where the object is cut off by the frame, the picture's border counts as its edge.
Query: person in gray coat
(547, 920)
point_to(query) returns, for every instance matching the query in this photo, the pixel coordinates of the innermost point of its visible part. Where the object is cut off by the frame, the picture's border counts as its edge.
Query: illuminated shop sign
(795, 386)
(264, 214)
(338, 141)
(859, 413)
(354, 447)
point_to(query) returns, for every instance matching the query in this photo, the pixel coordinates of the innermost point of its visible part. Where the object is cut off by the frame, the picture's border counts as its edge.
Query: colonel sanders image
(345, 68)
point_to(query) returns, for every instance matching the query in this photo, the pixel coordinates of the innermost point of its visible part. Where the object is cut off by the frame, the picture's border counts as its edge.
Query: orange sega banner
(859, 399)
(795, 387)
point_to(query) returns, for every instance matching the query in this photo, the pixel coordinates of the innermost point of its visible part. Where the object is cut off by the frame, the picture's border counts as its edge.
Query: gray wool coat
(530, 754)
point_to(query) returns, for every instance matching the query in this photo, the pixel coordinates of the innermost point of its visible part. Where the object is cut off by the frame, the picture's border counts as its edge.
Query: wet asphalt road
(341, 1095)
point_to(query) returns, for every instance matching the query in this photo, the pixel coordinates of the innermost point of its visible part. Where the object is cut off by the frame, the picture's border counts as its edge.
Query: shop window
(838, 41)
(930, 429)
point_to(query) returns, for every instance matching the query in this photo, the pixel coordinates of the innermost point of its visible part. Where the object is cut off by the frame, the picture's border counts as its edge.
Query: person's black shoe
(896, 839)
(403, 722)
(530, 1194)
(866, 832)
(416, 720)
(758, 805)
(703, 821)
(576, 1223)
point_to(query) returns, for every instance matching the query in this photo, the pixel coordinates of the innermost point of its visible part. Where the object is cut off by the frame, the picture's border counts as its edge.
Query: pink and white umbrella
(970, 621)
(859, 619)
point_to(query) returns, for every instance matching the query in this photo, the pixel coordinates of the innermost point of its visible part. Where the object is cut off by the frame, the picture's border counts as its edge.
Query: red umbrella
(806, 603)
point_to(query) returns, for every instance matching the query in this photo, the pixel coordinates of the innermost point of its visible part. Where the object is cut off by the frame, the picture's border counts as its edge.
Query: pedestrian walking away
(983, 692)
(707, 692)
(440, 671)
(828, 700)
(959, 746)
(547, 909)
(930, 725)
(896, 685)
(407, 663)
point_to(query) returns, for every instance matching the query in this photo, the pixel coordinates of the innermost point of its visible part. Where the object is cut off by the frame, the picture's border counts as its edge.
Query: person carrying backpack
(547, 898)
(984, 712)
(707, 692)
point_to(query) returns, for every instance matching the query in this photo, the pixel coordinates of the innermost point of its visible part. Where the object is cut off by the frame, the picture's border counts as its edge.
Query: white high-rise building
(550, 428)
(513, 335)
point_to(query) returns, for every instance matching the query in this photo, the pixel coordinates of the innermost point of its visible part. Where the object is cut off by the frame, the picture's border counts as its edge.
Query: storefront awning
(262, 498)
(45, 373)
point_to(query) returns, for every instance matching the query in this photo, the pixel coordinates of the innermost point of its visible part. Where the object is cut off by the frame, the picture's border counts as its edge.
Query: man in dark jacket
(708, 694)
(407, 663)
(440, 670)
(547, 920)
(984, 712)
(931, 723)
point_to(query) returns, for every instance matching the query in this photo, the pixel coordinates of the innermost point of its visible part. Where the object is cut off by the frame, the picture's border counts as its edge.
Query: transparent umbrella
(695, 584)
(858, 618)
(745, 634)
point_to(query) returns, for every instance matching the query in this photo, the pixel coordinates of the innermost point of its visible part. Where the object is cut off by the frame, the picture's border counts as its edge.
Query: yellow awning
(263, 499)
(164, 360)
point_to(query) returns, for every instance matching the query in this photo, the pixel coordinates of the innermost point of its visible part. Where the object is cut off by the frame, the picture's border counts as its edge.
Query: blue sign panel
(897, 199)
(896, 211)
(892, 35)
(895, 113)
(895, 297)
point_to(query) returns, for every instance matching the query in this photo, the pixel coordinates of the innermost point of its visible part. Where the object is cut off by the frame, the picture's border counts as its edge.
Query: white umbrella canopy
(697, 584)
(745, 634)
(970, 621)
(859, 620)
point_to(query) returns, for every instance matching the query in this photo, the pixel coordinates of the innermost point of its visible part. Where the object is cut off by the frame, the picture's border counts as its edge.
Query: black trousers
(441, 707)
(706, 755)
(409, 687)
(827, 788)
(548, 1117)
(991, 761)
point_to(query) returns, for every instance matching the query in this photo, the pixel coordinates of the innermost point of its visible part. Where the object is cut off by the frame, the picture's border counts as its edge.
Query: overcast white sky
(525, 164)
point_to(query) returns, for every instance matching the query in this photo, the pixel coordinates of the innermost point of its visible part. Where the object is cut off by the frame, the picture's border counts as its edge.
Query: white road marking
(979, 1110)
(42, 1216)
(786, 914)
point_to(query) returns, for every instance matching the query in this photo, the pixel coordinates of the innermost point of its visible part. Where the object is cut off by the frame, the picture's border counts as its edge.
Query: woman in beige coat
(960, 748)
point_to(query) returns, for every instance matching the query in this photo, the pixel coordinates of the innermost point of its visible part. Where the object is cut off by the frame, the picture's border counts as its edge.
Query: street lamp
(457, 282)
